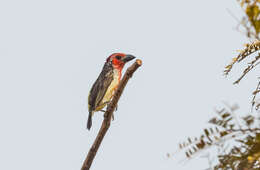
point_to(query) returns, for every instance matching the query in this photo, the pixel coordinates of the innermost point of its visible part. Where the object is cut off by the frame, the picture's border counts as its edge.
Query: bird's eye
(118, 57)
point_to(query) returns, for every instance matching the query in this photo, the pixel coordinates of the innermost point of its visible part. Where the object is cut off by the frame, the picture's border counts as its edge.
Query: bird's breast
(112, 87)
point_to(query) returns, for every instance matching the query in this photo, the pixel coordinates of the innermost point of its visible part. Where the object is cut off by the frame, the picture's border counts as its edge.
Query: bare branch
(108, 115)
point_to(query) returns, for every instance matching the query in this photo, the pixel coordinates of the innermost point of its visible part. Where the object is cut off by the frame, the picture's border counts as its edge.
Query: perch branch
(108, 114)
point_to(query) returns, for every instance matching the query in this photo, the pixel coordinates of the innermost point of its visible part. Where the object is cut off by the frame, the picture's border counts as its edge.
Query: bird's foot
(112, 114)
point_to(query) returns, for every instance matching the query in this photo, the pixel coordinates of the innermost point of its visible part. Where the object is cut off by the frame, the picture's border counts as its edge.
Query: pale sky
(52, 51)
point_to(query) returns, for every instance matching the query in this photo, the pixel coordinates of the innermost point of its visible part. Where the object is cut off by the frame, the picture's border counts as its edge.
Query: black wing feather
(100, 86)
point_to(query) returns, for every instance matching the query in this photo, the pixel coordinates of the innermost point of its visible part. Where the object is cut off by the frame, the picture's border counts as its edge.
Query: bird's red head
(118, 60)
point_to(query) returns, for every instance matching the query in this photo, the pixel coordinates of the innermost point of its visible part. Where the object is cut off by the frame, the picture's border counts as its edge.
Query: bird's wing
(103, 88)
(100, 87)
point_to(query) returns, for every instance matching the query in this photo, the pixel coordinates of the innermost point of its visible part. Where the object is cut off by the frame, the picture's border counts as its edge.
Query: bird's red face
(119, 59)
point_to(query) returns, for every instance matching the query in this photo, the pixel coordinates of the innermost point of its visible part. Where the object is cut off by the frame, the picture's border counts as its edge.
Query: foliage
(226, 130)
(251, 21)
(250, 49)
(246, 156)
(237, 139)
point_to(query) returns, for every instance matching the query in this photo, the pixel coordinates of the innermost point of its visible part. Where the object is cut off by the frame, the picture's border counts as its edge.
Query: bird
(107, 82)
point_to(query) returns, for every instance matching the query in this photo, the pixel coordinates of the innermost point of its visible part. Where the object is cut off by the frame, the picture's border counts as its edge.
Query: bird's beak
(128, 57)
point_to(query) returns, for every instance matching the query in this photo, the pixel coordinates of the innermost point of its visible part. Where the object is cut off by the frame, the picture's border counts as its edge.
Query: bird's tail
(89, 124)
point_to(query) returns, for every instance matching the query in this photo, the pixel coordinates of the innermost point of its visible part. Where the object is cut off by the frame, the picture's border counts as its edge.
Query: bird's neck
(118, 73)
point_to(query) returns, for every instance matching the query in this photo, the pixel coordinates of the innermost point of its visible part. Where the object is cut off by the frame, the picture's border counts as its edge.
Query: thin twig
(244, 23)
(108, 114)
(249, 68)
(254, 95)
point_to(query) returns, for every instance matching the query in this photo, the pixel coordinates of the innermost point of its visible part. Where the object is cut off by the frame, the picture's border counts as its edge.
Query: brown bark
(108, 115)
